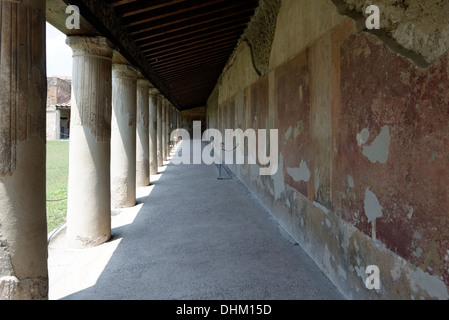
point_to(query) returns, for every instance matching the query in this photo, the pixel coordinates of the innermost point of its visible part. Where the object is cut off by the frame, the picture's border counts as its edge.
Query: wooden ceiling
(186, 42)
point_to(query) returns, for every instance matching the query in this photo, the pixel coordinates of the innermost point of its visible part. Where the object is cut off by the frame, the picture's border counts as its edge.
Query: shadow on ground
(199, 237)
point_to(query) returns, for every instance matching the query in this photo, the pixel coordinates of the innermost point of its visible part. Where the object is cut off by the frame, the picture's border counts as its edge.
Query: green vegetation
(57, 179)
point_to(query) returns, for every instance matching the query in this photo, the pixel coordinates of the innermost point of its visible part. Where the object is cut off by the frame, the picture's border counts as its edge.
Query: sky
(59, 55)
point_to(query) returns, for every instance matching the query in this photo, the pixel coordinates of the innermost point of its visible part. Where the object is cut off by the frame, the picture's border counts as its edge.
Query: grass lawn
(57, 178)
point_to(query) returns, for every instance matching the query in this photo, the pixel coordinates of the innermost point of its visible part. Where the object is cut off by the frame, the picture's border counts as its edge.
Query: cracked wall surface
(421, 26)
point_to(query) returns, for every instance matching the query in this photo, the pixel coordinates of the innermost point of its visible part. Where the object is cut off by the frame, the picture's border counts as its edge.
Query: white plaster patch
(362, 137)
(378, 150)
(360, 271)
(356, 246)
(417, 253)
(342, 272)
(396, 271)
(327, 262)
(373, 209)
(434, 286)
(409, 211)
(350, 181)
(278, 179)
(288, 133)
(320, 206)
(297, 129)
(301, 173)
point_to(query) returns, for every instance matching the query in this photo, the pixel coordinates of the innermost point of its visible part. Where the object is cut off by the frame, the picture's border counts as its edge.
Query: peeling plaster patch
(417, 253)
(320, 206)
(360, 271)
(431, 284)
(350, 181)
(396, 271)
(356, 246)
(297, 129)
(362, 137)
(327, 262)
(357, 259)
(301, 173)
(341, 272)
(317, 180)
(288, 133)
(373, 210)
(409, 210)
(278, 178)
(378, 150)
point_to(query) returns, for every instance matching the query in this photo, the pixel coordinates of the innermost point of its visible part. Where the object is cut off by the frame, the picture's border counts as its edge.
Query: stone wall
(363, 147)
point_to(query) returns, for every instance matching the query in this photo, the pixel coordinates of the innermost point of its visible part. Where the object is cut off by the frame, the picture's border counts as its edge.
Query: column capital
(124, 71)
(153, 90)
(90, 46)
(143, 82)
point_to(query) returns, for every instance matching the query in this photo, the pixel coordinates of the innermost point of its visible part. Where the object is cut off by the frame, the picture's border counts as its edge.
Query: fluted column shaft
(160, 160)
(164, 130)
(167, 129)
(123, 136)
(88, 207)
(153, 131)
(143, 138)
(23, 228)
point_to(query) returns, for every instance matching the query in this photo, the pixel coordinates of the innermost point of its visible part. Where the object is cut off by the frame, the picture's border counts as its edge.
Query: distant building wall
(58, 93)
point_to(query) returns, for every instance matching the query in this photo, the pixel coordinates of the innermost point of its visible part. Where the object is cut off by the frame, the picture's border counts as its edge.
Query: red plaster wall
(380, 88)
(351, 81)
(289, 77)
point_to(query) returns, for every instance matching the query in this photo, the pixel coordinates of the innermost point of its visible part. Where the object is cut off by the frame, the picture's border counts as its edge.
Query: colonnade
(120, 126)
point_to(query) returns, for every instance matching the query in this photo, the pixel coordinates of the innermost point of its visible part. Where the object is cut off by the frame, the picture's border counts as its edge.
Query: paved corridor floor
(191, 236)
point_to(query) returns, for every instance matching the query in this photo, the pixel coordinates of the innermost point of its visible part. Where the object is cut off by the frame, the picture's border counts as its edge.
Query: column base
(12, 288)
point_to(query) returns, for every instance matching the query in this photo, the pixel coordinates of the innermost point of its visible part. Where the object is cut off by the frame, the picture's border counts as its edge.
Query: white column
(167, 129)
(88, 207)
(175, 124)
(153, 131)
(23, 95)
(143, 139)
(160, 160)
(123, 136)
(170, 129)
(178, 120)
(164, 130)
